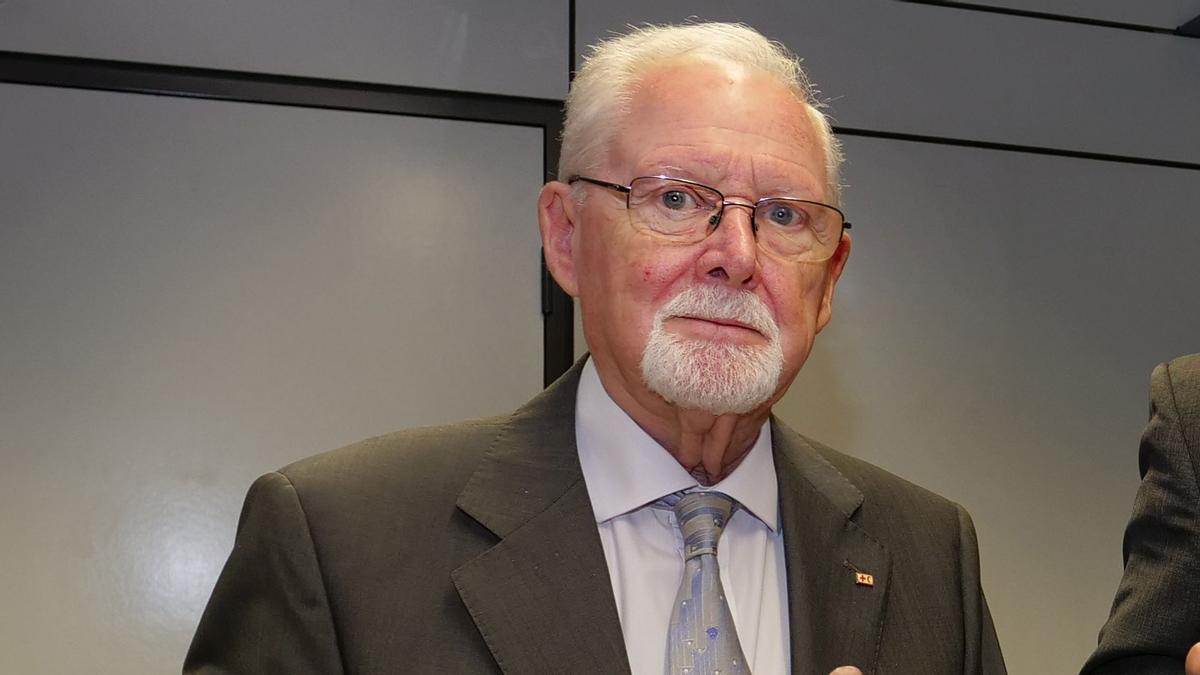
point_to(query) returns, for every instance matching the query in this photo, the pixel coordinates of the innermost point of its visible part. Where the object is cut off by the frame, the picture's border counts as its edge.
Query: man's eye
(678, 200)
(782, 214)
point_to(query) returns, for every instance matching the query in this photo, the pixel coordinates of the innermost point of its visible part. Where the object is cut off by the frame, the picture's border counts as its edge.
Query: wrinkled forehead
(709, 112)
(685, 81)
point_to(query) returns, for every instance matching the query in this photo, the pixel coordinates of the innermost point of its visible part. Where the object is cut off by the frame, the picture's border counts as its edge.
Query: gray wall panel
(901, 67)
(473, 45)
(992, 340)
(196, 292)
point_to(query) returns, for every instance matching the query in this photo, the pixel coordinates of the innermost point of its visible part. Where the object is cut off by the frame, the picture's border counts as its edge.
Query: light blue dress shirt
(625, 471)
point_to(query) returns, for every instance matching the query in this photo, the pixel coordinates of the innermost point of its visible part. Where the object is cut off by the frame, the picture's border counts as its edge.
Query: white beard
(715, 377)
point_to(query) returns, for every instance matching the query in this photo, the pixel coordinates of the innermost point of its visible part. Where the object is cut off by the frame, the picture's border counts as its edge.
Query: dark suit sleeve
(982, 654)
(269, 612)
(1156, 614)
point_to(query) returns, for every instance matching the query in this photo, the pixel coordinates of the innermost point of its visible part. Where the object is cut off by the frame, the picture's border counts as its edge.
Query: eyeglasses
(687, 212)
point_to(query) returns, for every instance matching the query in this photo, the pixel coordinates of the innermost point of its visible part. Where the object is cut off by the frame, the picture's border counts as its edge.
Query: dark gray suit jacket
(473, 548)
(1155, 617)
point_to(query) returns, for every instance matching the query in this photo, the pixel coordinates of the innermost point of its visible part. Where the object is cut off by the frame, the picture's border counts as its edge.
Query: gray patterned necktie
(701, 639)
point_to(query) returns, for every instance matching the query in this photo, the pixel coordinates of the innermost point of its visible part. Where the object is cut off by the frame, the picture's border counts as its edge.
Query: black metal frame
(1189, 28)
(243, 87)
(721, 202)
(1015, 147)
(1182, 30)
(627, 190)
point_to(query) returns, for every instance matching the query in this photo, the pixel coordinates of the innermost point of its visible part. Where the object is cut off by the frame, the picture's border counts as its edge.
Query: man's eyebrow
(678, 171)
(699, 170)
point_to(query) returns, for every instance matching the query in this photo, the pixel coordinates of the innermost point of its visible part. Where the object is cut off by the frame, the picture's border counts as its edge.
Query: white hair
(604, 86)
(716, 377)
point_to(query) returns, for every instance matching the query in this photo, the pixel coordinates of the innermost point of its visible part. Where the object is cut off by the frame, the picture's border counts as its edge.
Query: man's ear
(832, 273)
(557, 218)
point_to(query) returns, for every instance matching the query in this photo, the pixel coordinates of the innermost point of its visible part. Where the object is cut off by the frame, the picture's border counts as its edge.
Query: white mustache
(718, 303)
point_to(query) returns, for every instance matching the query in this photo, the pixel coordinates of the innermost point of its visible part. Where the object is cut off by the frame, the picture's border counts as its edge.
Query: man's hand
(851, 670)
(1192, 667)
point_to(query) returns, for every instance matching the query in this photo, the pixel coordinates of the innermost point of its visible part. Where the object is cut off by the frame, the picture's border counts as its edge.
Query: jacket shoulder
(895, 509)
(1189, 363)
(430, 448)
(880, 484)
(1175, 401)
(424, 464)
(1178, 380)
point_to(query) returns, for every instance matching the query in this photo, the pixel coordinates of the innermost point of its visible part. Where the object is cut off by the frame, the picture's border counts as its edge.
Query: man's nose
(731, 252)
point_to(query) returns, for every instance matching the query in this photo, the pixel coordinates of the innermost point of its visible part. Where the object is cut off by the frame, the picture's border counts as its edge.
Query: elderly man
(645, 513)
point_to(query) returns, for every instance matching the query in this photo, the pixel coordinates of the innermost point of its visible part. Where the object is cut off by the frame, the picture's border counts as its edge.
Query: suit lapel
(541, 597)
(836, 616)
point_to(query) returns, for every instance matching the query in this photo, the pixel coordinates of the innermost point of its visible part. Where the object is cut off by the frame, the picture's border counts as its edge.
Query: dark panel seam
(1049, 16)
(1015, 147)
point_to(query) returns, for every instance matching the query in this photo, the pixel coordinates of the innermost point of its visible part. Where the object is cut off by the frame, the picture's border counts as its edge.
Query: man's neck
(709, 446)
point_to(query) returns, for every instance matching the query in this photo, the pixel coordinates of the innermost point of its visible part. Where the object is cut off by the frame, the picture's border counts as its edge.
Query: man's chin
(708, 388)
(718, 411)
(714, 377)
(713, 408)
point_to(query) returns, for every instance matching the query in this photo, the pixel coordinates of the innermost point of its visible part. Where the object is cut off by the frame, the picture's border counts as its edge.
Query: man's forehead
(680, 94)
(703, 119)
(682, 78)
(754, 175)
(680, 160)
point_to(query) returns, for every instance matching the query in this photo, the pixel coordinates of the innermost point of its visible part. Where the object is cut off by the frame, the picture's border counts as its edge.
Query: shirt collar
(625, 469)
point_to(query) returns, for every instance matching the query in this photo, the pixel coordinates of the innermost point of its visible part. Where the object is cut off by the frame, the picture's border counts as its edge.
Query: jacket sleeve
(1154, 618)
(982, 648)
(269, 612)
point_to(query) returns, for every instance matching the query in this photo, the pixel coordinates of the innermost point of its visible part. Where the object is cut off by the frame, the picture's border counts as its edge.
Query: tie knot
(702, 517)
